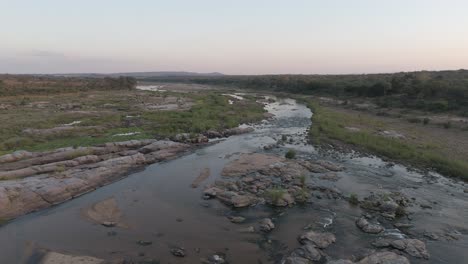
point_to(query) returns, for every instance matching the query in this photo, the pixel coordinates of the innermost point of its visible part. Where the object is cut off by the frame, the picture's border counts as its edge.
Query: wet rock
(340, 261)
(56, 258)
(241, 201)
(384, 258)
(390, 205)
(144, 242)
(308, 251)
(330, 177)
(432, 236)
(212, 192)
(237, 131)
(313, 167)
(296, 260)
(213, 134)
(105, 212)
(330, 165)
(204, 174)
(403, 225)
(178, 252)
(109, 224)
(216, 259)
(320, 240)
(236, 219)
(249, 229)
(248, 163)
(412, 247)
(266, 225)
(367, 227)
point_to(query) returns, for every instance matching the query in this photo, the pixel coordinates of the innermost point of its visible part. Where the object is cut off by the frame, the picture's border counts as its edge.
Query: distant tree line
(428, 90)
(11, 85)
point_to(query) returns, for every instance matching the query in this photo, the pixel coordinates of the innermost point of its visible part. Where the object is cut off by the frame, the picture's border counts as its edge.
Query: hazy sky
(234, 37)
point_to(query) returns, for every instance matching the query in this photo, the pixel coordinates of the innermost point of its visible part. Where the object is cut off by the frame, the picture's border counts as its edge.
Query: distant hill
(144, 74)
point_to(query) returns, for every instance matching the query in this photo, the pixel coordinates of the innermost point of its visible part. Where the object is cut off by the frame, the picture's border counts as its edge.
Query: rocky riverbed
(239, 200)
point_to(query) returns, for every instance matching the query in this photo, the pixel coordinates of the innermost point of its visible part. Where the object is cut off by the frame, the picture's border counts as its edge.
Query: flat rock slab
(58, 258)
(106, 211)
(204, 174)
(247, 163)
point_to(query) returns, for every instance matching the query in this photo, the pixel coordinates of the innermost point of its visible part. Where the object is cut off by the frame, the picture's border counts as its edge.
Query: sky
(233, 37)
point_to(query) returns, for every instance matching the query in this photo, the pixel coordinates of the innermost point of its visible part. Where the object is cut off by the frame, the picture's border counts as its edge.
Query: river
(158, 205)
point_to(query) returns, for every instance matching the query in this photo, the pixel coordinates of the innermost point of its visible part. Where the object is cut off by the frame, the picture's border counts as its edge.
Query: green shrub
(275, 194)
(353, 199)
(291, 154)
(302, 179)
(414, 120)
(400, 211)
(16, 142)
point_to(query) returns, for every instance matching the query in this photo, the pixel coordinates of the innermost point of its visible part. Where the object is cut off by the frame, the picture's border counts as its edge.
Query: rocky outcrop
(39, 180)
(368, 227)
(413, 247)
(389, 204)
(384, 258)
(266, 225)
(318, 239)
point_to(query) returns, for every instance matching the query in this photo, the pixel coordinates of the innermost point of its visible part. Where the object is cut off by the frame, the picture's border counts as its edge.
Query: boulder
(308, 251)
(384, 258)
(266, 225)
(319, 239)
(367, 227)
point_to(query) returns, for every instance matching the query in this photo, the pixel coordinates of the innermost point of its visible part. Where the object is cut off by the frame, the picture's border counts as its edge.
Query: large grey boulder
(319, 239)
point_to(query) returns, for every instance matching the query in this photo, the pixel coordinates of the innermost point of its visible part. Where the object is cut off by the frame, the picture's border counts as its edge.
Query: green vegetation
(400, 211)
(302, 180)
(353, 199)
(14, 85)
(291, 154)
(330, 125)
(302, 195)
(275, 194)
(91, 117)
(436, 91)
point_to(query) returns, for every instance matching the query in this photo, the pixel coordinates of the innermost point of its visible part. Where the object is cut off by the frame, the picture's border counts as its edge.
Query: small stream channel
(158, 205)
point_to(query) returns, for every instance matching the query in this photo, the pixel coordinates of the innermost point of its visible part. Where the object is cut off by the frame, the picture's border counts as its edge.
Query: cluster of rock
(203, 138)
(260, 178)
(413, 247)
(311, 250)
(32, 181)
(389, 205)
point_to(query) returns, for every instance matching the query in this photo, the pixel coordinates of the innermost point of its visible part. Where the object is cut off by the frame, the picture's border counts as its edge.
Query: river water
(158, 205)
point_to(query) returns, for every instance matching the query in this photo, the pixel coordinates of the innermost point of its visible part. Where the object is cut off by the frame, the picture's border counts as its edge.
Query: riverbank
(39, 122)
(414, 144)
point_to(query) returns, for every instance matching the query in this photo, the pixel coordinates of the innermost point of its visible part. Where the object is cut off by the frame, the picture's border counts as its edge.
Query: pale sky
(233, 37)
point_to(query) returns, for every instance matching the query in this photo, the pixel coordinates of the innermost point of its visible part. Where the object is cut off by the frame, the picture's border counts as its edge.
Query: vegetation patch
(330, 125)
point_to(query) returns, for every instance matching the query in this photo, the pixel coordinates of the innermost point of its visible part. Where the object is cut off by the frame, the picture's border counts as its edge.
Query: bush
(400, 211)
(302, 179)
(426, 121)
(274, 195)
(414, 120)
(16, 142)
(447, 125)
(353, 199)
(291, 154)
